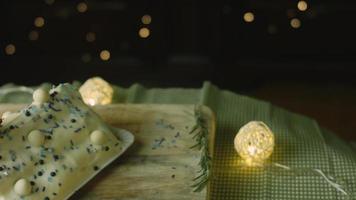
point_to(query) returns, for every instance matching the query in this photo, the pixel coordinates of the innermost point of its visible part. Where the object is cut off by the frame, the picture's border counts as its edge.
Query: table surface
(233, 113)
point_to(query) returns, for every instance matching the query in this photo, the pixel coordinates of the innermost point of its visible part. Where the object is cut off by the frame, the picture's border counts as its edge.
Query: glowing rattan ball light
(96, 91)
(254, 142)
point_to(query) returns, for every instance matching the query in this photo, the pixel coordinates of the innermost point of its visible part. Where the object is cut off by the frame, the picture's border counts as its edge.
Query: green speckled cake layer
(66, 160)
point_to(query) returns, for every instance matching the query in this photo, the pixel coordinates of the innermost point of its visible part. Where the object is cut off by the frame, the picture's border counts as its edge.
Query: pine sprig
(201, 136)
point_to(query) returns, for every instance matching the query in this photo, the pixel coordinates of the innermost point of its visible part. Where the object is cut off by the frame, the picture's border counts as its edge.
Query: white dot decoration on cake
(40, 96)
(96, 91)
(98, 137)
(8, 117)
(36, 138)
(22, 187)
(6, 114)
(254, 143)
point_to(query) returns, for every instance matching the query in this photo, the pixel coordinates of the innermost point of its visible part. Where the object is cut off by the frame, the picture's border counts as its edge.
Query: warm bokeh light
(254, 142)
(82, 7)
(39, 22)
(302, 5)
(96, 91)
(105, 55)
(146, 19)
(10, 49)
(249, 17)
(144, 32)
(33, 35)
(90, 37)
(295, 23)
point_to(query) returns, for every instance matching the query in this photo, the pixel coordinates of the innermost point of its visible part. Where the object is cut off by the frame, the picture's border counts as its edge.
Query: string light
(105, 55)
(39, 22)
(82, 7)
(144, 32)
(33, 35)
(249, 17)
(295, 23)
(10, 49)
(254, 143)
(146, 19)
(302, 5)
(96, 91)
(90, 37)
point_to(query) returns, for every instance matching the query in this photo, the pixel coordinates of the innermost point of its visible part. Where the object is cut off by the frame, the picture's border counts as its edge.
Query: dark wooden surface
(333, 106)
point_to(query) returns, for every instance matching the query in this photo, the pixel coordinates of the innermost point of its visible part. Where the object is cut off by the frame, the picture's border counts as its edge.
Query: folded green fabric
(321, 166)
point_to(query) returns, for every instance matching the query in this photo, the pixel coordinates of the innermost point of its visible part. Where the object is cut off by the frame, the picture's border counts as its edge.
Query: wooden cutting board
(160, 164)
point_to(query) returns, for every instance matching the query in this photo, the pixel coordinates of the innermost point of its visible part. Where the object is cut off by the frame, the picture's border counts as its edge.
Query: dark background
(309, 70)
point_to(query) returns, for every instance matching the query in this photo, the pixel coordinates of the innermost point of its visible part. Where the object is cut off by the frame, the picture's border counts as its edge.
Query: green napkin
(322, 166)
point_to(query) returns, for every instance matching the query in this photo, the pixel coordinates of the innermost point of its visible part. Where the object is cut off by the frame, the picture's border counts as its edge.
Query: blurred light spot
(302, 5)
(39, 22)
(146, 19)
(249, 17)
(90, 37)
(295, 23)
(82, 7)
(33, 35)
(86, 57)
(10, 49)
(144, 32)
(49, 2)
(272, 29)
(105, 55)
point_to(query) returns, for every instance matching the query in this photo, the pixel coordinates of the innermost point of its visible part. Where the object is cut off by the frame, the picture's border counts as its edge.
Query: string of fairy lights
(82, 7)
(143, 32)
(295, 23)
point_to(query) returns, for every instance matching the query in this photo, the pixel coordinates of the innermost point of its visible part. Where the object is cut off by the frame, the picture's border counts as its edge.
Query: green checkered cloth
(301, 144)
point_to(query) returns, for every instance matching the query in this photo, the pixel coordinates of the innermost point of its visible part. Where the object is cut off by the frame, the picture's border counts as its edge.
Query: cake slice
(54, 146)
